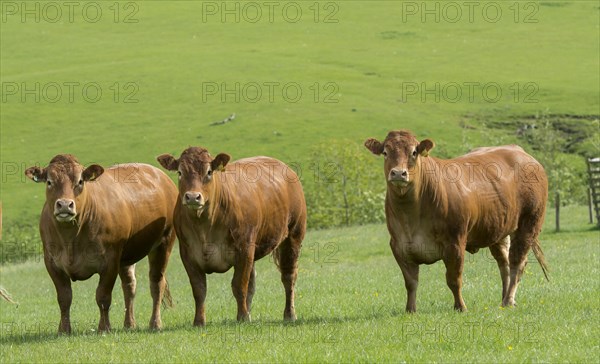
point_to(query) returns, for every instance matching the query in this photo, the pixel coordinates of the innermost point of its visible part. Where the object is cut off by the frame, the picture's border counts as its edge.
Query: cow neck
(404, 202)
(88, 205)
(425, 192)
(69, 232)
(222, 204)
(403, 210)
(404, 196)
(432, 191)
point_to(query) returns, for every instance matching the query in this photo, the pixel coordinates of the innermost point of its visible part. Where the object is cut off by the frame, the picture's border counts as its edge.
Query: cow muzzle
(193, 200)
(64, 210)
(399, 176)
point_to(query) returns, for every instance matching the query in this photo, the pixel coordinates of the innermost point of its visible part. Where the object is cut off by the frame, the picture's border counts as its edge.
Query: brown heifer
(104, 222)
(436, 209)
(231, 215)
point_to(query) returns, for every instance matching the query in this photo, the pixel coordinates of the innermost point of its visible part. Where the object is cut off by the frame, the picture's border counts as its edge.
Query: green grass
(350, 306)
(350, 291)
(369, 53)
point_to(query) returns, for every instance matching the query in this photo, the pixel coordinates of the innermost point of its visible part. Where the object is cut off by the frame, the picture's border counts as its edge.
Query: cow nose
(193, 198)
(64, 204)
(399, 174)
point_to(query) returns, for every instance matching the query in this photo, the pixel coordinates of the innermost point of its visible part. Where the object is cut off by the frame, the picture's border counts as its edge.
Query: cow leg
(104, 294)
(64, 295)
(454, 257)
(241, 279)
(197, 279)
(158, 260)
(128, 283)
(410, 272)
(287, 255)
(251, 289)
(517, 257)
(500, 253)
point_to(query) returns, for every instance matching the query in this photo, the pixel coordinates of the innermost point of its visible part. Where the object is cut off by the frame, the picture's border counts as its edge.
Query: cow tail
(539, 255)
(167, 300)
(5, 295)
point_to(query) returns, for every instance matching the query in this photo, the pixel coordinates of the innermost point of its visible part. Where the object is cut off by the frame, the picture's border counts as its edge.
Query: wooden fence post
(593, 165)
(590, 208)
(557, 209)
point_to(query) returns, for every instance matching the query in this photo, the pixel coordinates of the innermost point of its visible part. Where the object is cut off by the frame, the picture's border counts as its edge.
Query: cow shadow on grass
(27, 335)
(308, 319)
(309, 324)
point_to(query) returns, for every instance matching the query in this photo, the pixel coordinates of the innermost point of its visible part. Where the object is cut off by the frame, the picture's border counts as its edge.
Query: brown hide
(122, 215)
(230, 215)
(436, 209)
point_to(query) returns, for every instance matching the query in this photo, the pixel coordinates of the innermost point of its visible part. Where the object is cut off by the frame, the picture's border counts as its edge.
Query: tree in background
(566, 180)
(343, 185)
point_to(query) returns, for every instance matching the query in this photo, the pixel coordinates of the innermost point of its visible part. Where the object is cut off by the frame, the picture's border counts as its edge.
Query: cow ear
(168, 162)
(36, 174)
(424, 147)
(374, 146)
(92, 172)
(220, 161)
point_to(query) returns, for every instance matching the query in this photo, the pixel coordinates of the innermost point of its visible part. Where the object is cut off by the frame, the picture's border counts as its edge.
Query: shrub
(345, 186)
(20, 242)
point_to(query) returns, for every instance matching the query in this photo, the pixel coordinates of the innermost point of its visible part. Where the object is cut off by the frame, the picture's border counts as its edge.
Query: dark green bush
(343, 185)
(20, 242)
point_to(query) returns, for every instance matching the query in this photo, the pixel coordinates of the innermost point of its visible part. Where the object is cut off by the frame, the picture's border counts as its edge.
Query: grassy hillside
(363, 64)
(166, 71)
(350, 305)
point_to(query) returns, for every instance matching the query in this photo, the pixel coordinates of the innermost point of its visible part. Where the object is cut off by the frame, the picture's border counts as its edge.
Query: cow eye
(179, 174)
(384, 153)
(415, 153)
(209, 173)
(48, 183)
(80, 183)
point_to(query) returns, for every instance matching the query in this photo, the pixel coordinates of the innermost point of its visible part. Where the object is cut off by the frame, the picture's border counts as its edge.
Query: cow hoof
(244, 318)
(155, 326)
(199, 323)
(289, 317)
(129, 325)
(64, 329)
(510, 303)
(460, 309)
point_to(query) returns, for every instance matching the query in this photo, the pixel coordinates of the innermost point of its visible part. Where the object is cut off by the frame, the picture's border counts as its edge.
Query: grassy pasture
(364, 62)
(350, 306)
(351, 296)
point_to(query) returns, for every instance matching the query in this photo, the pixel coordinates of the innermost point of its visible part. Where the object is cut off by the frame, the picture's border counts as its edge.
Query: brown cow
(231, 215)
(96, 222)
(436, 209)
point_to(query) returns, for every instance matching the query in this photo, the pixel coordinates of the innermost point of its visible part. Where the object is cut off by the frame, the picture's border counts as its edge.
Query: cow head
(402, 153)
(195, 168)
(65, 182)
